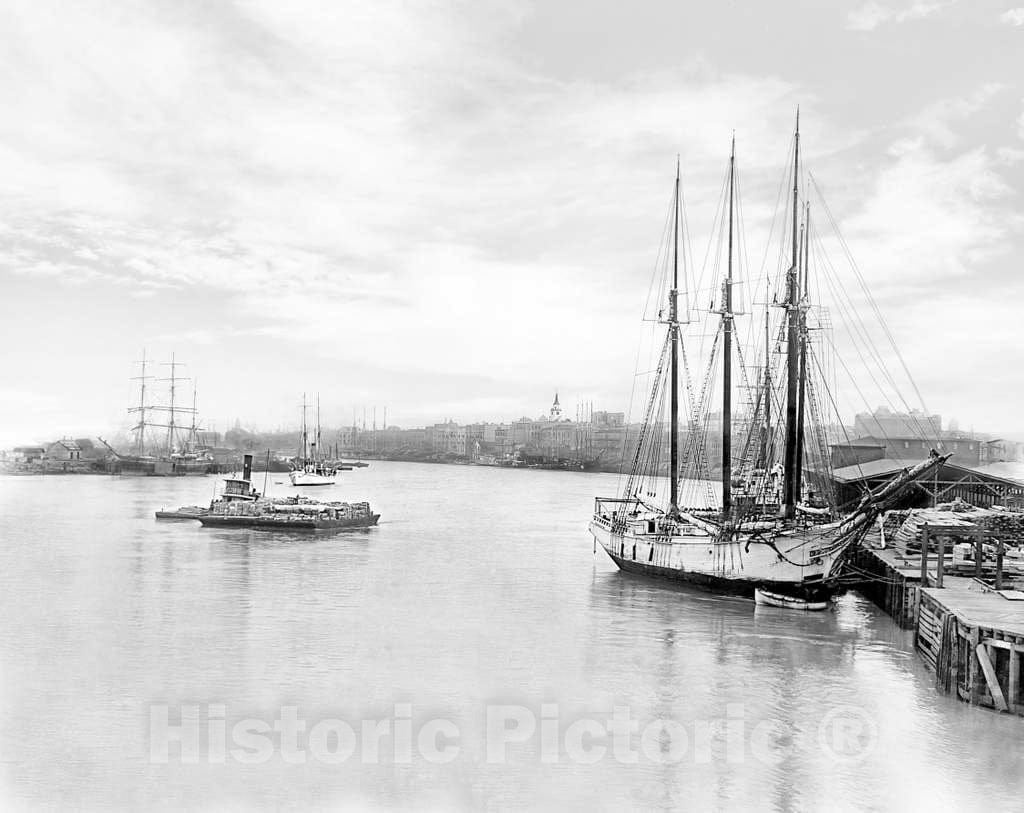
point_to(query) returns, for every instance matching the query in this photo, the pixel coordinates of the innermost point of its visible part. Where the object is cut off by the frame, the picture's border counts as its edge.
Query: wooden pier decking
(971, 635)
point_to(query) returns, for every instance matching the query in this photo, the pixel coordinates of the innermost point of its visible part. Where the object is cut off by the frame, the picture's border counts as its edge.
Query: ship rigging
(766, 528)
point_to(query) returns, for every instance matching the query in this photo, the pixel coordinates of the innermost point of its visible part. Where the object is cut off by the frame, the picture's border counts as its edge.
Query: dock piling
(924, 554)
(979, 554)
(1014, 681)
(999, 564)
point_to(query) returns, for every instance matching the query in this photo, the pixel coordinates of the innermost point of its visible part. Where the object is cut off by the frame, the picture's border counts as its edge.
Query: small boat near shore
(768, 598)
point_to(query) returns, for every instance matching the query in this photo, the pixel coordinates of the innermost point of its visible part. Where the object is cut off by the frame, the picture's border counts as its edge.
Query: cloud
(931, 220)
(1015, 16)
(1010, 155)
(938, 120)
(351, 193)
(409, 195)
(871, 15)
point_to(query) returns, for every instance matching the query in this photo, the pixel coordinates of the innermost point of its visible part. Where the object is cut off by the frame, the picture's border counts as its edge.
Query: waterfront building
(447, 438)
(608, 420)
(27, 454)
(883, 422)
(70, 455)
(63, 450)
(966, 449)
(1001, 450)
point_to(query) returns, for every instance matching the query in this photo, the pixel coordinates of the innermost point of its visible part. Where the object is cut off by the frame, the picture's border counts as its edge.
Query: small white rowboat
(770, 599)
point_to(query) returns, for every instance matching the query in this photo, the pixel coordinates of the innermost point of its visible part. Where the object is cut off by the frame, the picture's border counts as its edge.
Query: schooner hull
(713, 584)
(736, 567)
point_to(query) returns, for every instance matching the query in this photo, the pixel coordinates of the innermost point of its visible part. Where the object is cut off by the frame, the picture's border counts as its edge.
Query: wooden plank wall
(890, 590)
(982, 666)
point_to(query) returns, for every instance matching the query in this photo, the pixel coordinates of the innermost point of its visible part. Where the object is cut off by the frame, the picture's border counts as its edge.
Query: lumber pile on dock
(902, 529)
(907, 539)
(1006, 524)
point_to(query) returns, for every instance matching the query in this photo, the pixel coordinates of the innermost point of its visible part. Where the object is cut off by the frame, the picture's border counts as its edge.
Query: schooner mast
(727, 330)
(802, 382)
(766, 460)
(791, 484)
(673, 337)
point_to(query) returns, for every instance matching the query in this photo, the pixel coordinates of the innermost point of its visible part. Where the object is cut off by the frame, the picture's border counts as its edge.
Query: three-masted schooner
(765, 535)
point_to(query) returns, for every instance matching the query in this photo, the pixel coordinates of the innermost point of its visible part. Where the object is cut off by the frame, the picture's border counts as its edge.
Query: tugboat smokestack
(247, 467)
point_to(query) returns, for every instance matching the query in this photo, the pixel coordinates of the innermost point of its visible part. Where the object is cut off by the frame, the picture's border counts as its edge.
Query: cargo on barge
(241, 506)
(291, 513)
(312, 516)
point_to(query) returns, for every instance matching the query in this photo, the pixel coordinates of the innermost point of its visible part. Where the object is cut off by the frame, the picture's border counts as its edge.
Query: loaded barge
(241, 506)
(294, 513)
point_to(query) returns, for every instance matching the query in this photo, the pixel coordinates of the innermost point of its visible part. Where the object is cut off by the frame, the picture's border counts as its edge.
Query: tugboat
(241, 506)
(236, 490)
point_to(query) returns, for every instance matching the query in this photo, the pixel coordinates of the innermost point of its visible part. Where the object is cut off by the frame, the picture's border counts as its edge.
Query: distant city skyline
(854, 423)
(454, 209)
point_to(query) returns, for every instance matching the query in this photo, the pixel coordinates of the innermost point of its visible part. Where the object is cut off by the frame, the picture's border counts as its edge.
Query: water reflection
(478, 587)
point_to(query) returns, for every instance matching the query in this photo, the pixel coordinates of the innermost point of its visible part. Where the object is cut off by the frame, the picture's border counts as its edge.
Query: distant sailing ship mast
(310, 469)
(171, 427)
(173, 455)
(140, 427)
(193, 435)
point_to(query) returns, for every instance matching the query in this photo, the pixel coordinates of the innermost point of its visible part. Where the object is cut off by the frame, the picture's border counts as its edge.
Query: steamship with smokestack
(242, 506)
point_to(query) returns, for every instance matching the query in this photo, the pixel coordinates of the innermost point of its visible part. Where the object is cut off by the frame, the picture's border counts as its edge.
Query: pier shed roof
(890, 465)
(950, 481)
(874, 468)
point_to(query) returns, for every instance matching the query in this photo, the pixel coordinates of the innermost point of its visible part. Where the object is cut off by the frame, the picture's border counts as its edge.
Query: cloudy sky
(454, 208)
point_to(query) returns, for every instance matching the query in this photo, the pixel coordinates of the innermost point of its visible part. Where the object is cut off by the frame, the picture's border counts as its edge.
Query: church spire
(556, 409)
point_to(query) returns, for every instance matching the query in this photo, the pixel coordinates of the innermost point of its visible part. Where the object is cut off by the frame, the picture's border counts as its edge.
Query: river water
(494, 653)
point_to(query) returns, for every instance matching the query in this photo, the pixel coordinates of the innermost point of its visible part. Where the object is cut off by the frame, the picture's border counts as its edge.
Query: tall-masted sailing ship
(770, 533)
(166, 431)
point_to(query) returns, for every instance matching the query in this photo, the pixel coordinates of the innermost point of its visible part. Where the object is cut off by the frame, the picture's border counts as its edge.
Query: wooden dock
(971, 635)
(890, 580)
